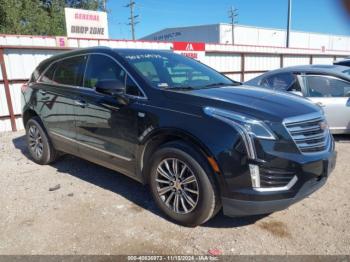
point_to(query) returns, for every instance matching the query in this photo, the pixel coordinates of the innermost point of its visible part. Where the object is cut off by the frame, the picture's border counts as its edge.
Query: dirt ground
(98, 211)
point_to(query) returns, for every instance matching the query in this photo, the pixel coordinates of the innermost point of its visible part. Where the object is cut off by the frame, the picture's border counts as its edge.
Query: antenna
(132, 18)
(233, 14)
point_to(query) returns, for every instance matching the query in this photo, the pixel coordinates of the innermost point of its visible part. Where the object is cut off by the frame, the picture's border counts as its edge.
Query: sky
(322, 16)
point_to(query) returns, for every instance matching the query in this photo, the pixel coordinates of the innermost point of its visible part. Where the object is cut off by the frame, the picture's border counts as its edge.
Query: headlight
(251, 126)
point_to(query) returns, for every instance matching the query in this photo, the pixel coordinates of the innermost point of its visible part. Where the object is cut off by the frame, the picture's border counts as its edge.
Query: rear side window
(101, 67)
(48, 75)
(326, 86)
(70, 71)
(282, 82)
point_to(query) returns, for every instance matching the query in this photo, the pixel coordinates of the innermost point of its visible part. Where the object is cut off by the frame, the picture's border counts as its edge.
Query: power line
(132, 18)
(233, 14)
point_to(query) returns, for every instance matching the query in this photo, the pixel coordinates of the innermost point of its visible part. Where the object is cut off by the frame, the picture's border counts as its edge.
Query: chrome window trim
(144, 97)
(91, 147)
(273, 189)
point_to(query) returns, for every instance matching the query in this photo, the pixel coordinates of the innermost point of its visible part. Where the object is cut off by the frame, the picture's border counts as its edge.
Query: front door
(107, 129)
(333, 95)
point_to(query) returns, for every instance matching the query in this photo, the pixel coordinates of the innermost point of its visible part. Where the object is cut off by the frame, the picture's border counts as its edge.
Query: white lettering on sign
(189, 47)
(86, 23)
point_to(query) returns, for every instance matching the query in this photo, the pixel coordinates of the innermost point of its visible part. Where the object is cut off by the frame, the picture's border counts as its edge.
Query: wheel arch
(161, 136)
(28, 114)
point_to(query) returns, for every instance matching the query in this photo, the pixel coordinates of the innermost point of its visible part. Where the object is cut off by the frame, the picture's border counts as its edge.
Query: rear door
(58, 94)
(333, 95)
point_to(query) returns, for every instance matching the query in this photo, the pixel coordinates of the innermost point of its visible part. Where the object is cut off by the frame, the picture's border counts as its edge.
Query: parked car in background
(198, 139)
(326, 85)
(344, 62)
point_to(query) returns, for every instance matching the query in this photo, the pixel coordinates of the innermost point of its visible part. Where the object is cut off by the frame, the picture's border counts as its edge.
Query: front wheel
(182, 185)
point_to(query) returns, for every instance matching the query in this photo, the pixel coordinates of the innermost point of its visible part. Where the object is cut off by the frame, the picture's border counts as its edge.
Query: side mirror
(110, 87)
(298, 93)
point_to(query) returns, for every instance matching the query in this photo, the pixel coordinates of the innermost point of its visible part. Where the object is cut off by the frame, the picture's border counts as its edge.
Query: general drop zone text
(87, 30)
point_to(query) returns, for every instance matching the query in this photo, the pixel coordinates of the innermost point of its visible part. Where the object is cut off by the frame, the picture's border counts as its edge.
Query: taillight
(24, 87)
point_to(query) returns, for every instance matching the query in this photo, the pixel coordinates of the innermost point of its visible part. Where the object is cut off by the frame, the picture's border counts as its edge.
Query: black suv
(198, 139)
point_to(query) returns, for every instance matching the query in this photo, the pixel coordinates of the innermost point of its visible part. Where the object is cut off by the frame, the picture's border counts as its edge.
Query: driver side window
(102, 67)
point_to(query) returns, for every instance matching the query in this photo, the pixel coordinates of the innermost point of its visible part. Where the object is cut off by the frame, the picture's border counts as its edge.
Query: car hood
(257, 102)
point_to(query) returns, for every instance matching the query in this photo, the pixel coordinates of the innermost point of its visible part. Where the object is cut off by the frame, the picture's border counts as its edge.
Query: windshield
(173, 71)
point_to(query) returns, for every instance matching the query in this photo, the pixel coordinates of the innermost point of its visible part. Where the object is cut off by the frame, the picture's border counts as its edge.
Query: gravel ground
(98, 211)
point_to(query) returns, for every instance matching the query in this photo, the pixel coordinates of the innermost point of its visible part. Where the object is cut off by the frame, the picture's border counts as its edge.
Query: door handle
(42, 92)
(80, 103)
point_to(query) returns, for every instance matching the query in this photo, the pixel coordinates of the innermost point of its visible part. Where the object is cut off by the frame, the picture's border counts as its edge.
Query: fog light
(255, 175)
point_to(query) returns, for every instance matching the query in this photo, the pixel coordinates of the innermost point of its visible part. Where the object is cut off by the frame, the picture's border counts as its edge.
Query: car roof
(82, 51)
(335, 70)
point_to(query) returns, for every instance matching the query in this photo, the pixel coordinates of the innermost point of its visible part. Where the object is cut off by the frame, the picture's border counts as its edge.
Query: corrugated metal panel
(249, 76)
(236, 77)
(223, 63)
(3, 103)
(21, 63)
(15, 90)
(295, 60)
(322, 60)
(261, 62)
(20, 40)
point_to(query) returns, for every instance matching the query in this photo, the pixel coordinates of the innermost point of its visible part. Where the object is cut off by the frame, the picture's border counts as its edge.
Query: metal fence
(19, 55)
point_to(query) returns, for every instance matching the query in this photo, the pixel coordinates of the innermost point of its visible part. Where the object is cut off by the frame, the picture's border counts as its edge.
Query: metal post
(289, 21)
(7, 90)
(281, 60)
(242, 67)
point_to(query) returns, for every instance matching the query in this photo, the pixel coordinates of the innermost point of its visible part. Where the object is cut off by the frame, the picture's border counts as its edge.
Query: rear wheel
(38, 142)
(182, 184)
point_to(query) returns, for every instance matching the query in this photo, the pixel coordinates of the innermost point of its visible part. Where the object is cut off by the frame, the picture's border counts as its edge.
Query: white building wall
(249, 35)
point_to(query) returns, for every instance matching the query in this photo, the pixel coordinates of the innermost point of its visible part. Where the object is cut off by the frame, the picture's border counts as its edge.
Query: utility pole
(132, 18)
(289, 22)
(233, 14)
(104, 5)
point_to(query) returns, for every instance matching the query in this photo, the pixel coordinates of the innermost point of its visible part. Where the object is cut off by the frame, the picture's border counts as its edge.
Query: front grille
(311, 135)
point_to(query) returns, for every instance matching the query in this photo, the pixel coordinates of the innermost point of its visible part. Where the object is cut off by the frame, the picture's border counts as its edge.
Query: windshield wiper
(181, 88)
(222, 84)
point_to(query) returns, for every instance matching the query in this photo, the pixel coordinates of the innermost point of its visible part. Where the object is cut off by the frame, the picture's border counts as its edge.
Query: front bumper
(247, 202)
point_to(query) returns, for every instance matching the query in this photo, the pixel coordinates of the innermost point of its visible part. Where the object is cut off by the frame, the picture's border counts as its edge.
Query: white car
(326, 85)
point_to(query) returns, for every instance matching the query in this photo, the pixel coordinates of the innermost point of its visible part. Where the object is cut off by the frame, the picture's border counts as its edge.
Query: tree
(39, 17)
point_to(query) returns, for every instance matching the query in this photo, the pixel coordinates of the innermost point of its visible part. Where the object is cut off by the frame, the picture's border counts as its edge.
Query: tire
(202, 205)
(39, 144)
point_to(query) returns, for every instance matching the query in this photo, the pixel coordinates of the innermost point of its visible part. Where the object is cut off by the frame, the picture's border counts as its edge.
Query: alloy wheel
(35, 141)
(177, 185)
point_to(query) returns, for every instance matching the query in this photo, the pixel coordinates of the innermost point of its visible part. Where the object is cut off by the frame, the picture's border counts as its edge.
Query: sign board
(190, 49)
(85, 23)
